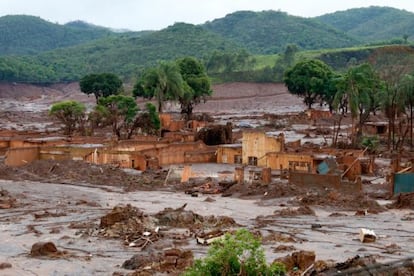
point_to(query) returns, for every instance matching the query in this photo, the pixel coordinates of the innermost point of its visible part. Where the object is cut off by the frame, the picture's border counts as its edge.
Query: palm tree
(169, 83)
(359, 88)
(163, 83)
(407, 88)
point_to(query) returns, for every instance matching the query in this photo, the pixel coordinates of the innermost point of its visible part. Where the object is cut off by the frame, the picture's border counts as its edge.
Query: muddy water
(336, 239)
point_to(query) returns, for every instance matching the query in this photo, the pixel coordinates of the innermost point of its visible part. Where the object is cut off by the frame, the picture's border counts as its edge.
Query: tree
(163, 82)
(101, 85)
(359, 88)
(238, 254)
(308, 79)
(197, 84)
(392, 63)
(121, 111)
(70, 113)
(407, 86)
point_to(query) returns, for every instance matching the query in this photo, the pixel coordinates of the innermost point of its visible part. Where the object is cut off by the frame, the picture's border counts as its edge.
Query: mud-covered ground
(72, 218)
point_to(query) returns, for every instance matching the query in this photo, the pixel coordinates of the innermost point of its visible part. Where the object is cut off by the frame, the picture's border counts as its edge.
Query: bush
(370, 142)
(238, 254)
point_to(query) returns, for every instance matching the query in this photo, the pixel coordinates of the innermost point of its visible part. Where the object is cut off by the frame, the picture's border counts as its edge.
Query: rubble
(300, 260)
(172, 261)
(45, 249)
(5, 265)
(403, 201)
(290, 212)
(6, 200)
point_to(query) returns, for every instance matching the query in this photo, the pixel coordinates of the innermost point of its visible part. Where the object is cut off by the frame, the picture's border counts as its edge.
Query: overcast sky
(157, 14)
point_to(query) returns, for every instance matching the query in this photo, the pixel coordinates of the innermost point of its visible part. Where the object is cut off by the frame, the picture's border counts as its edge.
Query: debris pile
(341, 201)
(126, 222)
(46, 249)
(403, 201)
(299, 260)
(6, 200)
(69, 171)
(172, 261)
(291, 212)
(183, 218)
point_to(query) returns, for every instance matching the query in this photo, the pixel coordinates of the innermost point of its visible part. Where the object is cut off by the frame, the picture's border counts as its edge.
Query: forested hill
(269, 32)
(35, 50)
(373, 24)
(125, 55)
(23, 34)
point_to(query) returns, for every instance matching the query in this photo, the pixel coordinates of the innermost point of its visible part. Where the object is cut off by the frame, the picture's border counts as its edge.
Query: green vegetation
(373, 24)
(196, 85)
(309, 79)
(121, 112)
(269, 32)
(118, 111)
(101, 85)
(238, 254)
(71, 114)
(243, 46)
(23, 34)
(184, 80)
(163, 83)
(360, 88)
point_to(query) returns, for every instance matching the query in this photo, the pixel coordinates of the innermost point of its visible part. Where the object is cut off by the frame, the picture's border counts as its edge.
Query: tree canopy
(70, 113)
(163, 83)
(101, 85)
(122, 112)
(197, 84)
(308, 79)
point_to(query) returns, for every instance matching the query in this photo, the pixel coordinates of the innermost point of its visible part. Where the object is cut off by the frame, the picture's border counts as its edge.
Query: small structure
(229, 154)
(256, 144)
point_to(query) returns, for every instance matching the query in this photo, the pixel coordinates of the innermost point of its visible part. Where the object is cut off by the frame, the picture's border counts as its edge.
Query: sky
(139, 15)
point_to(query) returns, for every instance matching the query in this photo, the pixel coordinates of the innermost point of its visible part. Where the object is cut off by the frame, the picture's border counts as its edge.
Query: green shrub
(238, 254)
(370, 142)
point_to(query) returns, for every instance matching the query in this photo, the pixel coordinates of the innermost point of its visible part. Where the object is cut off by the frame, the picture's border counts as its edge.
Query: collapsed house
(323, 168)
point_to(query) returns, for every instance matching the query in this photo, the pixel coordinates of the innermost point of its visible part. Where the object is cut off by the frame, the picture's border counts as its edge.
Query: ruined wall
(75, 152)
(122, 160)
(216, 134)
(227, 154)
(324, 183)
(133, 145)
(169, 123)
(208, 156)
(257, 144)
(180, 136)
(292, 161)
(21, 156)
(354, 171)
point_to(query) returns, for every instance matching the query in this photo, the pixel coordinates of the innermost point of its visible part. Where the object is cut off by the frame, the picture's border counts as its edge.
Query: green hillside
(373, 23)
(269, 32)
(242, 46)
(26, 35)
(125, 55)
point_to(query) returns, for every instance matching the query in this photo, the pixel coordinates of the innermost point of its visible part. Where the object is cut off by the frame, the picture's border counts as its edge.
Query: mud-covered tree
(360, 88)
(308, 79)
(406, 85)
(148, 121)
(101, 85)
(163, 83)
(71, 114)
(197, 84)
(121, 112)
